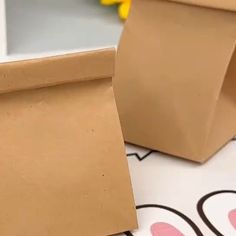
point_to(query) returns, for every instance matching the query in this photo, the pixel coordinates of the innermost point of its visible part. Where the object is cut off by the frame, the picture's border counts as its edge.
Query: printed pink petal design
(232, 217)
(164, 229)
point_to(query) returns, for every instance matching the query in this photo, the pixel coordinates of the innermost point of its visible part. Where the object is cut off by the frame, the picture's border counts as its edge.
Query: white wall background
(39, 26)
(3, 40)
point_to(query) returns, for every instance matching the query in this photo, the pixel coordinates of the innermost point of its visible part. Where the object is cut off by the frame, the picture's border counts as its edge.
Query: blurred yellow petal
(124, 9)
(109, 2)
(124, 6)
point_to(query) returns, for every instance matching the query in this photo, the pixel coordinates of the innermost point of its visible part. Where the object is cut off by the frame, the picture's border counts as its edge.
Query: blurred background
(38, 26)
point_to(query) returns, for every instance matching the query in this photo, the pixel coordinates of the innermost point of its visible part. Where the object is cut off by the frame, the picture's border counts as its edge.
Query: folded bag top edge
(229, 5)
(56, 70)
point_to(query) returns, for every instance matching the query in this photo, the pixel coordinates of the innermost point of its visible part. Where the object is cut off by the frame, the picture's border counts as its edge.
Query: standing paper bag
(63, 169)
(176, 76)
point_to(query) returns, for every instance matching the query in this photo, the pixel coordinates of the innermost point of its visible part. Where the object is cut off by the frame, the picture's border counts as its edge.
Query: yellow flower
(124, 6)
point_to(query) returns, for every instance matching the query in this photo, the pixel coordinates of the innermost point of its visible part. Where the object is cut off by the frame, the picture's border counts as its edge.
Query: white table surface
(168, 190)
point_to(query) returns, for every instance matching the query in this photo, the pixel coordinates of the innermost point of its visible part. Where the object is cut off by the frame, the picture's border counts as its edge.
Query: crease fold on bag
(39, 73)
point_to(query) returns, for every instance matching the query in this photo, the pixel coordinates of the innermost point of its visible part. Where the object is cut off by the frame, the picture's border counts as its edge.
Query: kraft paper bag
(175, 78)
(63, 169)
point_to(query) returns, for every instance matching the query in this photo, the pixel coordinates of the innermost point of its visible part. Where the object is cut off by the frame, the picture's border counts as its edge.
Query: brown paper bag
(176, 76)
(63, 169)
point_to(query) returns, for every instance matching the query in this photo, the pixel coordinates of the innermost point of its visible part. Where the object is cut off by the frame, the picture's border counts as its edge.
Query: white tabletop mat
(175, 197)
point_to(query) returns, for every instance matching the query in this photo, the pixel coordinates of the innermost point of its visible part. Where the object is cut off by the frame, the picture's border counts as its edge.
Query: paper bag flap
(229, 5)
(44, 72)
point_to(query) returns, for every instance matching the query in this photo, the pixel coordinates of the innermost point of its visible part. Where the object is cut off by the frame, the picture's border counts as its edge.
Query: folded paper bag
(175, 78)
(63, 169)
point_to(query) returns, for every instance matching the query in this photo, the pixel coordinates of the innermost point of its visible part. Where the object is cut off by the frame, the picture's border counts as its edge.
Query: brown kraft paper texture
(63, 169)
(175, 80)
